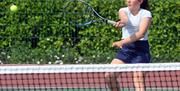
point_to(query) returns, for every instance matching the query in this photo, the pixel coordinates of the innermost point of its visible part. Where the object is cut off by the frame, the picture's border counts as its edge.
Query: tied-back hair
(145, 5)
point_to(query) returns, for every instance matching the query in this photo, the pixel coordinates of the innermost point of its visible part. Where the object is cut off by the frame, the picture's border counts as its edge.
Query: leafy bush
(164, 35)
(40, 32)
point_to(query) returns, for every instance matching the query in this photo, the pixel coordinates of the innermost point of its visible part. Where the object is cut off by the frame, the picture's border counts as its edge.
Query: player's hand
(119, 24)
(118, 44)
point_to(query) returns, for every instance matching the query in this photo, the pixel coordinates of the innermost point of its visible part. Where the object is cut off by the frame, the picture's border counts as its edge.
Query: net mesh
(157, 77)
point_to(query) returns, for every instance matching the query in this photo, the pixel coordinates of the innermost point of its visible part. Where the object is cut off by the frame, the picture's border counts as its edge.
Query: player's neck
(135, 11)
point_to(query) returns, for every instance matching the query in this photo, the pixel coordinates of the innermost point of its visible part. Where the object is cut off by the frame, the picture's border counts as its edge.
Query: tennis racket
(81, 13)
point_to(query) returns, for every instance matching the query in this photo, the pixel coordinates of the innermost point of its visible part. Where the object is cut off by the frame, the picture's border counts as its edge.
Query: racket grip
(111, 22)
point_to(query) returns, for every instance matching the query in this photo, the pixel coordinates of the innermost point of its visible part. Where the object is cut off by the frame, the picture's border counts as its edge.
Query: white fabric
(25, 69)
(133, 23)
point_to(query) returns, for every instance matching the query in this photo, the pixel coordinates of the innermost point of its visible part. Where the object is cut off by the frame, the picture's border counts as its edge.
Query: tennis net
(157, 77)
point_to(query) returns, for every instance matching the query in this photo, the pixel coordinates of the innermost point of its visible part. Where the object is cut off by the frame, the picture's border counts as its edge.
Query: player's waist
(142, 39)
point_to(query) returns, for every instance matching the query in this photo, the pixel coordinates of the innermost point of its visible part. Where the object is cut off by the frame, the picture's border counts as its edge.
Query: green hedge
(40, 32)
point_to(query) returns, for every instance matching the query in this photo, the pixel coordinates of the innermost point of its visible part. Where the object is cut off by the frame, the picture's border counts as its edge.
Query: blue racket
(82, 14)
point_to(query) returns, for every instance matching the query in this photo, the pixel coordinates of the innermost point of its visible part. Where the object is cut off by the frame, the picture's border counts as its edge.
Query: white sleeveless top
(133, 23)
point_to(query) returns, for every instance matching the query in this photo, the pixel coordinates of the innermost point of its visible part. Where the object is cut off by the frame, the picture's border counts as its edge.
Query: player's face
(134, 4)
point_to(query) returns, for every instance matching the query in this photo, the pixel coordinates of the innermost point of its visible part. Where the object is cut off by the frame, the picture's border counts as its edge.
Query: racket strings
(80, 14)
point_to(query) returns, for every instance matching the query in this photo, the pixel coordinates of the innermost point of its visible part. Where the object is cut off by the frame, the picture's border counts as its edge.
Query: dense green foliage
(40, 32)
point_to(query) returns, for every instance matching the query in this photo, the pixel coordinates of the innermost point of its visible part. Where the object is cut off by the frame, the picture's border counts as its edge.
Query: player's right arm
(123, 19)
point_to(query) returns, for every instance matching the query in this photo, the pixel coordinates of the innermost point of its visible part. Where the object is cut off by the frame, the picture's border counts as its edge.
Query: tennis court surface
(158, 77)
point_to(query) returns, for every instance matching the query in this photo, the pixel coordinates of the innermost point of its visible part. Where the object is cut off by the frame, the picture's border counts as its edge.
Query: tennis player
(135, 20)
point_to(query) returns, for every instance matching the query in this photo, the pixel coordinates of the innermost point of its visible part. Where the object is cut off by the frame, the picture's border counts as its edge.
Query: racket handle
(111, 22)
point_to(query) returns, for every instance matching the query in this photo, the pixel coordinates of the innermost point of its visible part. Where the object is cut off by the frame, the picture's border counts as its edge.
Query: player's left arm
(143, 28)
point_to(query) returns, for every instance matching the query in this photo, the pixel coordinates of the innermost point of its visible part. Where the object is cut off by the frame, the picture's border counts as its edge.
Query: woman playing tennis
(135, 20)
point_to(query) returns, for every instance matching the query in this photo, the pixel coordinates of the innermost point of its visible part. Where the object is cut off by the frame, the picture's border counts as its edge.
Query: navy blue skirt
(136, 52)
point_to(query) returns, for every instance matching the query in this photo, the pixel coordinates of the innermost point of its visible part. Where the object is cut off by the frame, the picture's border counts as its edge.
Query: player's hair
(145, 5)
